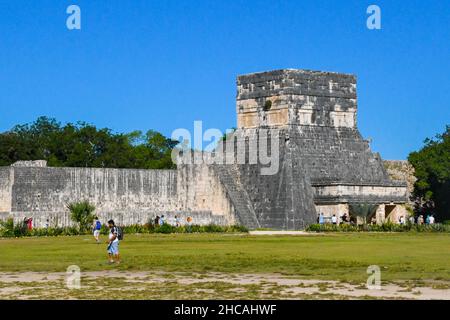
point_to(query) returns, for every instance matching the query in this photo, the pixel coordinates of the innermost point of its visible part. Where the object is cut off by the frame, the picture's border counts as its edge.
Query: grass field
(408, 258)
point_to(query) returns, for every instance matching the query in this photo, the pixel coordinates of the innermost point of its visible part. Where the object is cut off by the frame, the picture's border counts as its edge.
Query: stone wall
(5, 189)
(30, 189)
(45, 192)
(402, 170)
(333, 209)
(359, 193)
(296, 97)
(44, 189)
(199, 189)
(282, 199)
(338, 155)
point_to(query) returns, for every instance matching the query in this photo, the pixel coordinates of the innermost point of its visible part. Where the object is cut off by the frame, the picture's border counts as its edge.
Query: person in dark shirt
(113, 243)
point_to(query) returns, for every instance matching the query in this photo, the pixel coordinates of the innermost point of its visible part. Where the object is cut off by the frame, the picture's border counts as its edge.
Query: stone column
(380, 214)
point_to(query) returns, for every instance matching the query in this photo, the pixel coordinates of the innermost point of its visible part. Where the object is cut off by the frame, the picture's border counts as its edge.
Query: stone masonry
(324, 166)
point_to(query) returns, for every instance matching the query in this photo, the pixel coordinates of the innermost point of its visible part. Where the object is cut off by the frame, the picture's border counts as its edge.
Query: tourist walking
(30, 224)
(25, 223)
(189, 224)
(113, 243)
(373, 221)
(344, 218)
(321, 218)
(96, 229)
(420, 219)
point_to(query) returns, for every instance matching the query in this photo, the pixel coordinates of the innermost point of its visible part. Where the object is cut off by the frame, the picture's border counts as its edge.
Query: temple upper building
(296, 97)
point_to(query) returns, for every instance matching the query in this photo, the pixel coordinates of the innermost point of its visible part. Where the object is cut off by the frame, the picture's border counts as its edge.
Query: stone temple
(323, 165)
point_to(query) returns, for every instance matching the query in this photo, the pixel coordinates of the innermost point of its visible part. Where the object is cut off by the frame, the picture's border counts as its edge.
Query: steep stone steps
(228, 175)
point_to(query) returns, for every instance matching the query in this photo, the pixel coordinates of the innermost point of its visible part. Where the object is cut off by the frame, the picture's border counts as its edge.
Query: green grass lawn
(401, 256)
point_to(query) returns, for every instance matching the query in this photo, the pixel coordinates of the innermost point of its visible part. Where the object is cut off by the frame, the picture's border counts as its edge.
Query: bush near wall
(385, 227)
(9, 229)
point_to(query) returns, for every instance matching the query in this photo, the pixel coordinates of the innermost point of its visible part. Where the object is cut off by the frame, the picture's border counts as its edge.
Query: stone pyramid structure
(324, 164)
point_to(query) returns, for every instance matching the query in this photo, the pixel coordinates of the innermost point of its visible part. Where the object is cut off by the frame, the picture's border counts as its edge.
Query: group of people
(322, 219)
(420, 220)
(345, 219)
(115, 234)
(27, 224)
(175, 221)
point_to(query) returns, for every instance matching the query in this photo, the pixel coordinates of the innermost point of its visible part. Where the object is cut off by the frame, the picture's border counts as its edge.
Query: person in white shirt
(334, 219)
(431, 220)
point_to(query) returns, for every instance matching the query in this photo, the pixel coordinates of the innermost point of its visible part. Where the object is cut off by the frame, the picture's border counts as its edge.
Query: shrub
(8, 229)
(135, 228)
(165, 228)
(82, 213)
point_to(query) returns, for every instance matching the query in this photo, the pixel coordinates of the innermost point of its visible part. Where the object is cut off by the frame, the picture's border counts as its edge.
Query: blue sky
(163, 64)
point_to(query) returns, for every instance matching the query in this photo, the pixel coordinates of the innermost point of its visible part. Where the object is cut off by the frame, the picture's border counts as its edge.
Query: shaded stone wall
(132, 196)
(338, 154)
(5, 189)
(402, 170)
(282, 200)
(29, 189)
(44, 189)
(199, 189)
(359, 193)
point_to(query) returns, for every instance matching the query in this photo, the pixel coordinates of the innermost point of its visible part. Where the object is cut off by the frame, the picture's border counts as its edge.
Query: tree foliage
(84, 145)
(432, 170)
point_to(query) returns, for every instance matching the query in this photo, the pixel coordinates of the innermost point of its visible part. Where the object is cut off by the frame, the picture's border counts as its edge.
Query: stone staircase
(228, 175)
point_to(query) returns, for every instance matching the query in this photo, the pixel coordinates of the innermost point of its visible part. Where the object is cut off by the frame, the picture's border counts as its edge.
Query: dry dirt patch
(150, 285)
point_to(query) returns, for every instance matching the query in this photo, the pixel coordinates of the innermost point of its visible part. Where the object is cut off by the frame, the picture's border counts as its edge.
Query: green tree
(82, 213)
(84, 145)
(432, 170)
